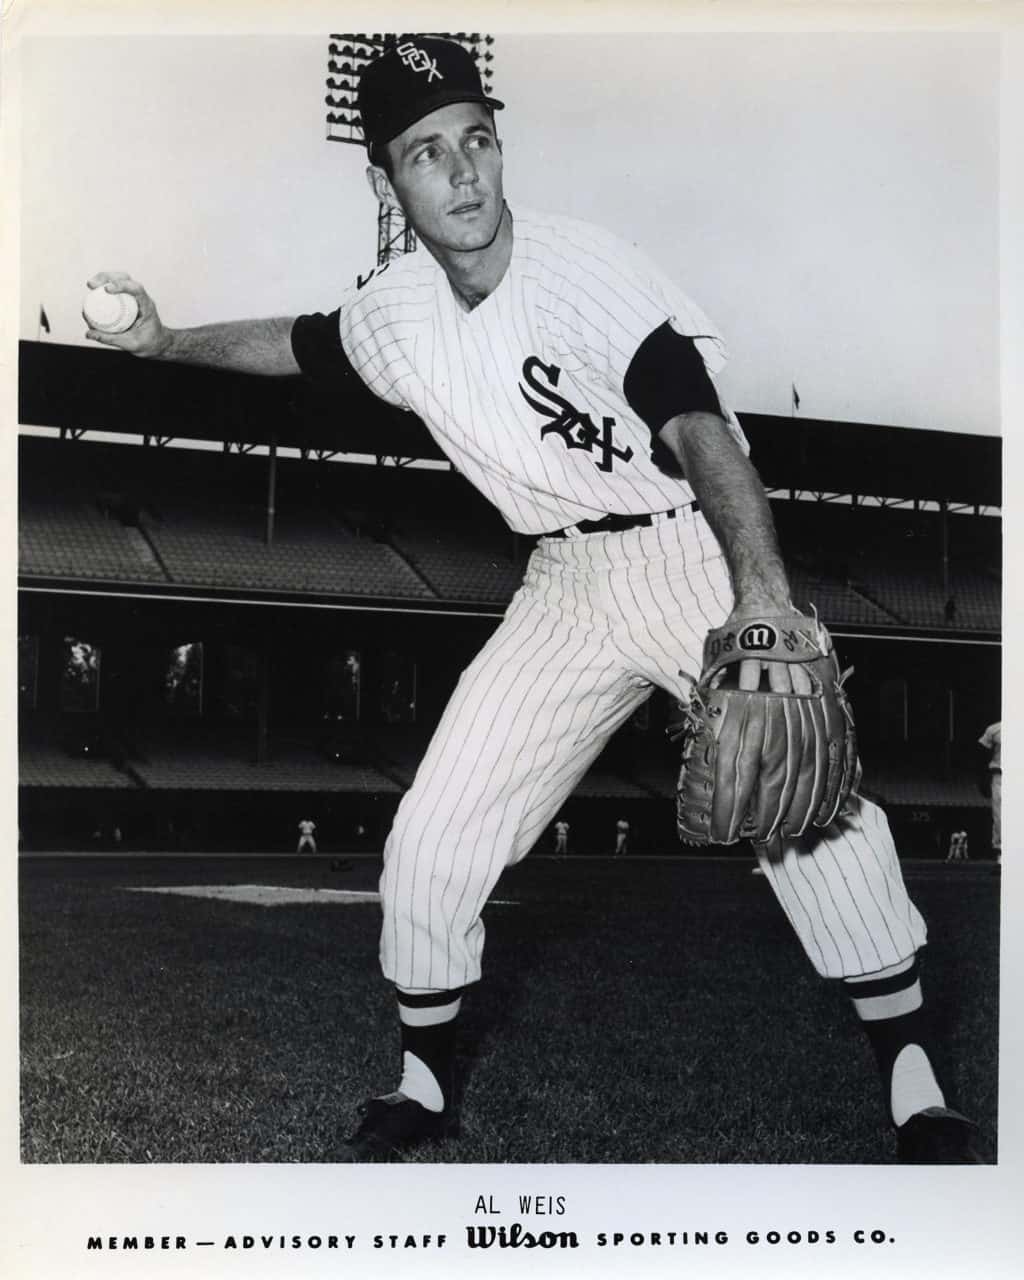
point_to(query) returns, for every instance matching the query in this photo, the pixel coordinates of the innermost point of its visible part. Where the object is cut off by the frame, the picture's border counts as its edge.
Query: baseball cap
(420, 74)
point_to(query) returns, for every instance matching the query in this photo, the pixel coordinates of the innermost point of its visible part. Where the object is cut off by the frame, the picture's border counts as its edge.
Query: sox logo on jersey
(575, 428)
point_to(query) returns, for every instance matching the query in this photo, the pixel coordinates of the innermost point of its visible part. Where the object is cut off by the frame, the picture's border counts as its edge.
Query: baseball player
(561, 838)
(307, 839)
(957, 847)
(992, 741)
(571, 383)
(621, 836)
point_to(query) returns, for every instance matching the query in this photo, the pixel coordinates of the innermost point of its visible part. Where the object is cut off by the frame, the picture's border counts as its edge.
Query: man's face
(446, 175)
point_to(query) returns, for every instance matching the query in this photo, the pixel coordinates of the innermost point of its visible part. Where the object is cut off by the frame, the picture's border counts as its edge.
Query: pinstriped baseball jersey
(525, 392)
(535, 396)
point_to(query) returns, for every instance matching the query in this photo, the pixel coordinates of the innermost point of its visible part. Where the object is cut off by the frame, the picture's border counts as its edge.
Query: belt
(616, 523)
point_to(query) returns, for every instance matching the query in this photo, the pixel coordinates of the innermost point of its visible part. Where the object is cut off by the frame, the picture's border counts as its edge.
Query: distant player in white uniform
(957, 847)
(570, 381)
(561, 837)
(992, 741)
(307, 837)
(622, 836)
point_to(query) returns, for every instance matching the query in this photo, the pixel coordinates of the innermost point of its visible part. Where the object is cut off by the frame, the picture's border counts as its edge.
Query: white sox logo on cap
(417, 59)
(757, 637)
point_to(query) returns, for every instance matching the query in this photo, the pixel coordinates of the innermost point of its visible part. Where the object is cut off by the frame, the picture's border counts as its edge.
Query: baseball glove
(759, 764)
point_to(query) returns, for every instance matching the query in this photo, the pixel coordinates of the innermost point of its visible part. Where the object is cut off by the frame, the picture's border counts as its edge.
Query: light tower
(347, 55)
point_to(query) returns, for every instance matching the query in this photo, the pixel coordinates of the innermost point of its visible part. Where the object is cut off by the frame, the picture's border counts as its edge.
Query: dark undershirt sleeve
(666, 377)
(316, 345)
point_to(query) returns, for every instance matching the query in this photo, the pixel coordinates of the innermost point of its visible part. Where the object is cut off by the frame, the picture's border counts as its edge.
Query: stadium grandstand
(240, 600)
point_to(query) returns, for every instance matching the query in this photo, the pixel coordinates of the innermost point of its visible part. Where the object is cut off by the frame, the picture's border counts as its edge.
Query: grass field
(632, 1010)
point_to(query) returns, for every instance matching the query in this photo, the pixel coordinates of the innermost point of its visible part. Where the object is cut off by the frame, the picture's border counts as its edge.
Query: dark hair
(379, 155)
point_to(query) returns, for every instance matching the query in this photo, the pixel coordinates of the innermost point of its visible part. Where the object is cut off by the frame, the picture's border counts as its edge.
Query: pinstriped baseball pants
(597, 623)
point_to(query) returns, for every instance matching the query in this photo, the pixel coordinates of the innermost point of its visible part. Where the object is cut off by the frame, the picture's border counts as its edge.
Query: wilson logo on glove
(757, 637)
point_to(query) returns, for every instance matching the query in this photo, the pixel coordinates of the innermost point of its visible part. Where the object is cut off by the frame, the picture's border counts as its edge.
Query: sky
(831, 200)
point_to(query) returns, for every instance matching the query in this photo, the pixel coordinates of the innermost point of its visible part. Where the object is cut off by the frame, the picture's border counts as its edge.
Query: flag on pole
(44, 322)
(796, 398)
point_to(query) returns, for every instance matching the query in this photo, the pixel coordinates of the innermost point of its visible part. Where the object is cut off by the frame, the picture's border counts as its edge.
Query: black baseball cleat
(938, 1135)
(391, 1125)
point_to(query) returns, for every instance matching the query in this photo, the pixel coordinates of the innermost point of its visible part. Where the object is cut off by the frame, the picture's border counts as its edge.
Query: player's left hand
(765, 762)
(783, 677)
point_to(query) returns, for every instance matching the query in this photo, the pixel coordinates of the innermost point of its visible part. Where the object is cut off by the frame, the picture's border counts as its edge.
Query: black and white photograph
(509, 642)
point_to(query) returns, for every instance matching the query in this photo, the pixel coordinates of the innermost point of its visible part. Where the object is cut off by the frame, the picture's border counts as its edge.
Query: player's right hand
(147, 336)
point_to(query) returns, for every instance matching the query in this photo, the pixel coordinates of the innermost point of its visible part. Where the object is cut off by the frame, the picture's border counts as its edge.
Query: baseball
(110, 312)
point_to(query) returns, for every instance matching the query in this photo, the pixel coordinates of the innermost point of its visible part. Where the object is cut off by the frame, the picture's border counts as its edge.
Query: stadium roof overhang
(78, 389)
